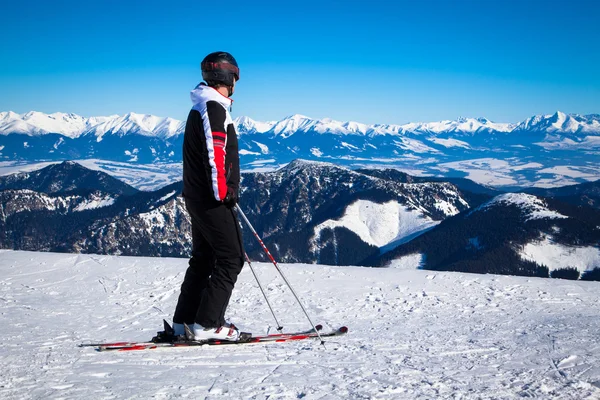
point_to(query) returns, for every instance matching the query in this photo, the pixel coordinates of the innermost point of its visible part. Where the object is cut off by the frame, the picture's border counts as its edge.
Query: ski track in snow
(414, 334)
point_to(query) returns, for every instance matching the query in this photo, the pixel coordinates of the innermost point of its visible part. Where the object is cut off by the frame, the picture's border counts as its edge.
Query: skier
(211, 176)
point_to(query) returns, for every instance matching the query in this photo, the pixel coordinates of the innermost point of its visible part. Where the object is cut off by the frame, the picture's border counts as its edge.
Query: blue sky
(368, 61)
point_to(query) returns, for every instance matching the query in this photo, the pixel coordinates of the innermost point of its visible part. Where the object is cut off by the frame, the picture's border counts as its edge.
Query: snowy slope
(533, 206)
(380, 224)
(413, 334)
(555, 256)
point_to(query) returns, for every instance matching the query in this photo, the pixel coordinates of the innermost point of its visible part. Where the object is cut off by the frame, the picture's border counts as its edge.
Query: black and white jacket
(211, 161)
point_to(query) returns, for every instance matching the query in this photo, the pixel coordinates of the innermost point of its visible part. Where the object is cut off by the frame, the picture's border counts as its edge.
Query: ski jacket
(211, 161)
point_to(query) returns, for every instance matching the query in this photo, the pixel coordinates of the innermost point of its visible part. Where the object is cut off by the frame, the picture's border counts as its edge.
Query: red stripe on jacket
(219, 150)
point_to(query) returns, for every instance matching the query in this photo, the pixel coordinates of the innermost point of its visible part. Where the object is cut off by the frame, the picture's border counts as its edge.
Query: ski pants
(217, 259)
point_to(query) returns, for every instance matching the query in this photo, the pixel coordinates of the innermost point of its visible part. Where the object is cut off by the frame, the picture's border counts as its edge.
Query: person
(211, 177)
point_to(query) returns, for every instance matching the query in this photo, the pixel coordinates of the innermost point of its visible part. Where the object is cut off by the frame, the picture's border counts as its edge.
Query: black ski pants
(217, 259)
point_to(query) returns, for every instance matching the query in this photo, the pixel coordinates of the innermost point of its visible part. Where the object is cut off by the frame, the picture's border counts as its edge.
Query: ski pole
(279, 327)
(239, 210)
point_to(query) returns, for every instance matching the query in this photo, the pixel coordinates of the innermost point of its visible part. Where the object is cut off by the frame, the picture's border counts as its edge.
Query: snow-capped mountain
(302, 124)
(543, 151)
(461, 126)
(138, 124)
(520, 232)
(36, 123)
(560, 122)
(308, 211)
(248, 125)
(131, 138)
(95, 221)
(65, 178)
(155, 224)
(319, 212)
(556, 123)
(73, 126)
(311, 212)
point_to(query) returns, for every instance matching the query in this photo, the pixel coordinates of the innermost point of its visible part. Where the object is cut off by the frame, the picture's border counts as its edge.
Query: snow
(36, 123)
(556, 181)
(15, 167)
(262, 162)
(349, 146)
(530, 165)
(414, 334)
(590, 174)
(288, 126)
(165, 197)
(140, 176)
(557, 256)
(244, 152)
(140, 124)
(58, 143)
(154, 219)
(588, 142)
(414, 146)
(72, 125)
(246, 124)
(410, 262)
(560, 122)
(378, 224)
(534, 206)
(95, 203)
(267, 165)
(264, 149)
(446, 207)
(442, 146)
(468, 125)
(450, 143)
(489, 171)
(300, 123)
(316, 152)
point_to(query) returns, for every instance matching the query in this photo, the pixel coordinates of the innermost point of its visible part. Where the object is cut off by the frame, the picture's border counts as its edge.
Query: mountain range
(315, 212)
(542, 151)
(74, 126)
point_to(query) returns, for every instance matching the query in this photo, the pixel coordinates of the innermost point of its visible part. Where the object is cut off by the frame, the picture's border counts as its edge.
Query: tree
(565, 273)
(591, 275)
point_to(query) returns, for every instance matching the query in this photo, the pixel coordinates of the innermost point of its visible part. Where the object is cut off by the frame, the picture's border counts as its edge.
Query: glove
(231, 198)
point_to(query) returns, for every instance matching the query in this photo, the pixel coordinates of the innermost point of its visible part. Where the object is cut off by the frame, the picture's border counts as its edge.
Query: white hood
(202, 93)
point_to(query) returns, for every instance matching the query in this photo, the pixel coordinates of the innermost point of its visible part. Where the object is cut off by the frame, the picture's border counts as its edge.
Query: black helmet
(220, 68)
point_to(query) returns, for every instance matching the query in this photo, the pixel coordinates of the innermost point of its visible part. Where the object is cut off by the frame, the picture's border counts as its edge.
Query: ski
(165, 336)
(244, 338)
(128, 344)
(277, 337)
(287, 337)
